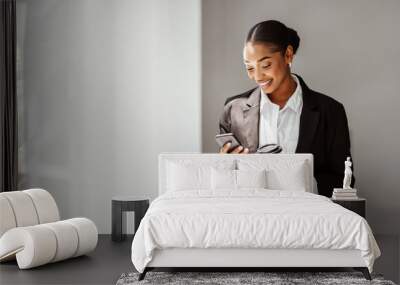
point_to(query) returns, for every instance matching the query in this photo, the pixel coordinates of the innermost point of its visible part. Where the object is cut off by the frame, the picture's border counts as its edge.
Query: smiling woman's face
(268, 68)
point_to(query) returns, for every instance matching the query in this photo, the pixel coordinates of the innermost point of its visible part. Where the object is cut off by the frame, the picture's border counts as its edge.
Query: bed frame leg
(143, 274)
(364, 271)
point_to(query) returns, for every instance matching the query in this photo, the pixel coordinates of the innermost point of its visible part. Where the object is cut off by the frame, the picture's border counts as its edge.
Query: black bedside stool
(121, 204)
(357, 205)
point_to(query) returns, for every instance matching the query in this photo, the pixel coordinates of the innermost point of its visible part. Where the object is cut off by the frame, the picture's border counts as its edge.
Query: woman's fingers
(241, 150)
(238, 149)
(225, 148)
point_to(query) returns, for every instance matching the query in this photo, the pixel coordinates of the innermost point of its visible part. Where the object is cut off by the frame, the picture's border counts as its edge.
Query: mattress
(250, 219)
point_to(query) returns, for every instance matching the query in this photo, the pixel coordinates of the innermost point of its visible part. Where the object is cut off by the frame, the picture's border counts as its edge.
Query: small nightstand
(121, 204)
(357, 205)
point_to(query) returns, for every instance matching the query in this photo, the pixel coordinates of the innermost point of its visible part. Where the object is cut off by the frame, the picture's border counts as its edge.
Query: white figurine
(347, 174)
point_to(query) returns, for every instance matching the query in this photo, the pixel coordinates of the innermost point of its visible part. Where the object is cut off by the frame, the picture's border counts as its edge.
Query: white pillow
(189, 174)
(282, 174)
(237, 179)
(294, 178)
(185, 177)
(251, 178)
(223, 179)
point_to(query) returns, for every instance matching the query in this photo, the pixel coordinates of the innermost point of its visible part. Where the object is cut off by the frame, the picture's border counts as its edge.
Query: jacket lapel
(309, 119)
(251, 118)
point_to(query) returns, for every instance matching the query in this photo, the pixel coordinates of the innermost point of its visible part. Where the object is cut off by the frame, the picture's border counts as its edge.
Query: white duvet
(250, 218)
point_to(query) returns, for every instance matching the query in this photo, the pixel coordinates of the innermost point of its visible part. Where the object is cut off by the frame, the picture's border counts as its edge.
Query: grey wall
(110, 84)
(107, 86)
(349, 51)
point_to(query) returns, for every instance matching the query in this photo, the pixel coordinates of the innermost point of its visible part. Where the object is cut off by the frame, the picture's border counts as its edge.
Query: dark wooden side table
(121, 204)
(357, 205)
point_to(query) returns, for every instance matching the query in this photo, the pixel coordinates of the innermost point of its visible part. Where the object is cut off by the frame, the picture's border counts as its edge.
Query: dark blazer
(324, 131)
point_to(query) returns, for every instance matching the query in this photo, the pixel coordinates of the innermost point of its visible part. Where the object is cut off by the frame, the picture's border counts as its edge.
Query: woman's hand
(238, 149)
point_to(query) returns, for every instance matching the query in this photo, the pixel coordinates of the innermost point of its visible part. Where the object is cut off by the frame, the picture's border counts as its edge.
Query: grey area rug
(275, 278)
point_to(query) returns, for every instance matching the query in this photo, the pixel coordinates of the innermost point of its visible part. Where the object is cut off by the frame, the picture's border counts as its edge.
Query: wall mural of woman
(283, 110)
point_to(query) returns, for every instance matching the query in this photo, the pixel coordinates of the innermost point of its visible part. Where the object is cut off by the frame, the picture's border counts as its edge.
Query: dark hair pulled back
(275, 33)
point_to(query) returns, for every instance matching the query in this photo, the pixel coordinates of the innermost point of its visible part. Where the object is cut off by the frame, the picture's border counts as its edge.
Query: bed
(247, 211)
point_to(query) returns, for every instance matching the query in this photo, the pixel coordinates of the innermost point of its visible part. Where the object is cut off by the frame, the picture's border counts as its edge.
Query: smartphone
(222, 139)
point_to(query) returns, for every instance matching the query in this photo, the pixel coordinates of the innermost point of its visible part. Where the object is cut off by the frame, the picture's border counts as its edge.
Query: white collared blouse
(281, 126)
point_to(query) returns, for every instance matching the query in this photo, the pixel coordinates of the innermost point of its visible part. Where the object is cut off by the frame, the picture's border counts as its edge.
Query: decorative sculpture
(347, 174)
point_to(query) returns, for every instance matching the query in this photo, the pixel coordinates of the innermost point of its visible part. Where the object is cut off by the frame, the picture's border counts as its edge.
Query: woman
(283, 110)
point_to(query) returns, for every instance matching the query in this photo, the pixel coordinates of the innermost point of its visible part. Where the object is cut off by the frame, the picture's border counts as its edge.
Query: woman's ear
(289, 54)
